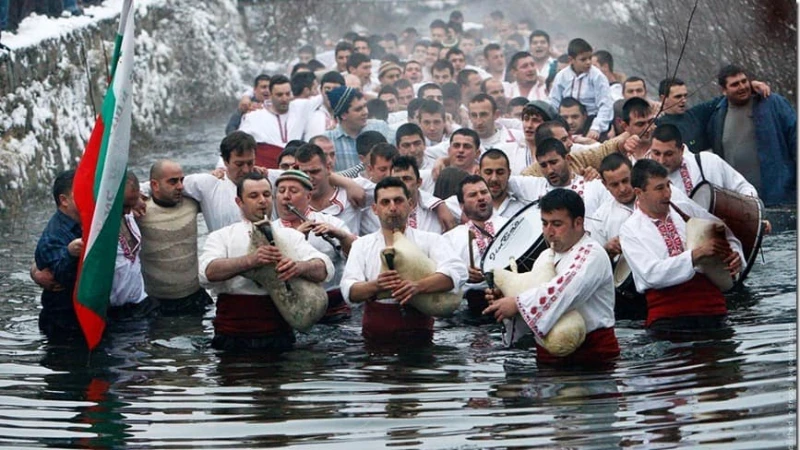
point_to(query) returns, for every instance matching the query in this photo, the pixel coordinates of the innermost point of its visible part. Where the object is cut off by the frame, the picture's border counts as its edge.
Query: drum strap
(700, 165)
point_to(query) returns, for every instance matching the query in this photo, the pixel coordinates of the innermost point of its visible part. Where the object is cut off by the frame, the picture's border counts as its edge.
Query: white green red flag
(99, 186)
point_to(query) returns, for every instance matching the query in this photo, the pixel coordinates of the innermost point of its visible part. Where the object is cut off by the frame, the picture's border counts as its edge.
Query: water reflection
(159, 385)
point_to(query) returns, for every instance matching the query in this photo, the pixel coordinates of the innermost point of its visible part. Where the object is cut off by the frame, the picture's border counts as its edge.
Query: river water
(159, 385)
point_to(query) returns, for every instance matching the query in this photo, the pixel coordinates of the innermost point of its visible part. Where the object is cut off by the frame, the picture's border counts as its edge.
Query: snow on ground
(37, 28)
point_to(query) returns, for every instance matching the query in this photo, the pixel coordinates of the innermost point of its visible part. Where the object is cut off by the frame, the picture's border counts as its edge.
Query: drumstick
(470, 238)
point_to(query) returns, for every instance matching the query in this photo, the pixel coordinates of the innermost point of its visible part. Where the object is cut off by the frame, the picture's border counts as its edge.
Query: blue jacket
(776, 135)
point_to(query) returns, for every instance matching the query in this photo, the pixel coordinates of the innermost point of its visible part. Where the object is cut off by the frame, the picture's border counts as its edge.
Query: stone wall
(190, 59)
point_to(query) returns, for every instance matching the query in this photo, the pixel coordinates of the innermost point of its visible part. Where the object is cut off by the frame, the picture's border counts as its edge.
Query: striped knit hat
(340, 99)
(295, 175)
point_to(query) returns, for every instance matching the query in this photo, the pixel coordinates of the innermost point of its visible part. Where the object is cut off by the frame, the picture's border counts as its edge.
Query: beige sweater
(588, 158)
(169, 250)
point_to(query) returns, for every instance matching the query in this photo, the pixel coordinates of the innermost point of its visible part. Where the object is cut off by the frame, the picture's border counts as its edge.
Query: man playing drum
(479, 231)
(654, 242)
(247, 318)
(392, 319)
(583, 282)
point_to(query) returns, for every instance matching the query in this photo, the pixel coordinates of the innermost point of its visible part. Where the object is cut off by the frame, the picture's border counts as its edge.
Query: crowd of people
(442, 139)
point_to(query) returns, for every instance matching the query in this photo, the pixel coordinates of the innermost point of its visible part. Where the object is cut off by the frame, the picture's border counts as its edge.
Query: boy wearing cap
(326, 233)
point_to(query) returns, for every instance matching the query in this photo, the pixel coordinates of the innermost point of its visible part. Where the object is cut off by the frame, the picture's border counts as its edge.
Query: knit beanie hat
(544, 108)
(340, 99)
(386, 66)
(295, 175)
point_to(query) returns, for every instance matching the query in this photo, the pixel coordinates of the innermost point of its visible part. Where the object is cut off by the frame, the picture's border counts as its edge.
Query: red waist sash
(696, 297)
(599, 346)
(248, 315)
(390, 322)
(267, 155)
(476, 300)
(336, 304)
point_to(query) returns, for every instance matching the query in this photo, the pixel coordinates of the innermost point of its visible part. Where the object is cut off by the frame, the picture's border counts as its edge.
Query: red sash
(248, 315)
(696, 297)
(336, 304)
(267, 155)
(600, 346)
(388, 322)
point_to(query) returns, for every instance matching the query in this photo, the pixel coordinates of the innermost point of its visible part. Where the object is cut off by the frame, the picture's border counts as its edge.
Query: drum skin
(742, 214)
(520, 238)
(699, 231)
(412, 264)
(305, 303)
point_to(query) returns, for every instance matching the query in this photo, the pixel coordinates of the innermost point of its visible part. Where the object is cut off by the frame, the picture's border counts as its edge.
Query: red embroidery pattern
(127, 252)
(553, 294)
(687, 180)
(412, 218)
(670, 235)
(578, 185)
(481, 239)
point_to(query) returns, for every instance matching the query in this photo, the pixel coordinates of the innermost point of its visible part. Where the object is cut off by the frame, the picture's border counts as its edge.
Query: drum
(520, 238)
(741, 213)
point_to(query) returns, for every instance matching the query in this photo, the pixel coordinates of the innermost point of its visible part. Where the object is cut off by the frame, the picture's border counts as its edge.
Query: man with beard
(551, 155)
(169, 243)
(482, 223)
(247, 318)
(583, 283)
(281, 121)
(328, 234)
(392, 319)
(581, 159)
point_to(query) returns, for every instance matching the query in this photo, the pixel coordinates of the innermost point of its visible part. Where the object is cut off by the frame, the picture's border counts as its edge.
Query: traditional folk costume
(458, 238)
(697, 167)
(593, 193)
(385, 319)
(272, 131)
(246, 315)
(662, 268)
(338, 309)
(583, 282)
(128, 299)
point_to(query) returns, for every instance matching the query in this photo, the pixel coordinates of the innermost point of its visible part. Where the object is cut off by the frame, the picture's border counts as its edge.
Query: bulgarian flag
(99, 186)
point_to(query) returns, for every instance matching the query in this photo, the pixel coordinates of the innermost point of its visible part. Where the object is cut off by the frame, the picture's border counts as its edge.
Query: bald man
(169, 243)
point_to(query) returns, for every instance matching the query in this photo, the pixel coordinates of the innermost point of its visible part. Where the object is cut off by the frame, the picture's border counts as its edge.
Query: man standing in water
(246, 315)
(392, 319)
(583, 283)
(169, 243)
(679, 297)
(57, 254)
